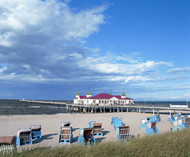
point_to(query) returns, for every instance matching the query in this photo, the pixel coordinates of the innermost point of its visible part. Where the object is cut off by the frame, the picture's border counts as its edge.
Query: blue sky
(51, 49)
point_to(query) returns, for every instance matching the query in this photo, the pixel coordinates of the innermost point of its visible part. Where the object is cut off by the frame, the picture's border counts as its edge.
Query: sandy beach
(51, 125)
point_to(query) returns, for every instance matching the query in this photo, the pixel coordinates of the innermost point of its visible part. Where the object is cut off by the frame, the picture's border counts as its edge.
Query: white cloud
(41, 37)
(179, 70)
(3, 68)
(175, 97)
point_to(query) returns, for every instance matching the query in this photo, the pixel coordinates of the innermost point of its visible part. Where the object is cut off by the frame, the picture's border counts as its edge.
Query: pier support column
(121, 109)
(110, 109)
(153, 111)
(92, 109)
(67, 107)
(104, 109)
(139, 110)
(100, 109)
(170, 112)
(117, 109)
(127, 109)
(95, 109)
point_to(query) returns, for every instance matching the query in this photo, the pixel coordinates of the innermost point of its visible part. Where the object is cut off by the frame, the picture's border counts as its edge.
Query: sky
(50, 49)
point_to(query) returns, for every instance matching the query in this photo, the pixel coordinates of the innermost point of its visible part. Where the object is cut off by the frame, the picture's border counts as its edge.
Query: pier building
(103, 99)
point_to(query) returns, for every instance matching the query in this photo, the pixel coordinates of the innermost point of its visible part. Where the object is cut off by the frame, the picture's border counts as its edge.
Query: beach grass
(175, 144)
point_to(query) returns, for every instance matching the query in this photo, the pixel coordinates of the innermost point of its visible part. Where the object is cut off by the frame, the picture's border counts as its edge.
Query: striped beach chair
(7, 144)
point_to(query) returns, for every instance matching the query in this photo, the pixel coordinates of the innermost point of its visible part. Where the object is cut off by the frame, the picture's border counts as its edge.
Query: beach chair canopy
(7, 140)
(35, 127)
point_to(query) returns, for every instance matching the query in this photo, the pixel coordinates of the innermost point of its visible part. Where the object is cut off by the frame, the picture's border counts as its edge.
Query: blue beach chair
(36, 132)
(97, 129)
(23, 137)
(83, 138)
(178, 125)
(124, 134)
(65, 135)
(151, 128)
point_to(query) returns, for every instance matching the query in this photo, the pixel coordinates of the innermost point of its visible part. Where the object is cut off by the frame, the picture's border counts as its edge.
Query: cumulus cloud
(39, 39)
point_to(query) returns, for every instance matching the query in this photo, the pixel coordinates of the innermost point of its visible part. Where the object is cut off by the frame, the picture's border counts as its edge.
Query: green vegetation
(175, 144)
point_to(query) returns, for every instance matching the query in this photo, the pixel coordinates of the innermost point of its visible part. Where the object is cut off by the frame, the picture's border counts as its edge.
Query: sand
(51, 125)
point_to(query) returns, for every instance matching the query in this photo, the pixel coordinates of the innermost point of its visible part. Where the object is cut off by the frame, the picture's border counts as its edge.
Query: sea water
(16, 107)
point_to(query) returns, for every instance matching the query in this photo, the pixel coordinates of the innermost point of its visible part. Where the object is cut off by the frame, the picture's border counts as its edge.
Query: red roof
(104, 96)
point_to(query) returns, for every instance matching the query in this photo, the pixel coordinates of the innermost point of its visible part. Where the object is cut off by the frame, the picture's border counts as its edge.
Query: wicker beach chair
(178, 125)
(97, 129)
(85, 135)
(65, 135)
(151, 128)
(23, 137)
(7, 144)
(83, 138)
(124, 134)
(36, 132)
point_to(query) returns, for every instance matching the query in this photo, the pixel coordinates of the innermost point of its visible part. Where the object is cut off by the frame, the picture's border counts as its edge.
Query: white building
(102, 99)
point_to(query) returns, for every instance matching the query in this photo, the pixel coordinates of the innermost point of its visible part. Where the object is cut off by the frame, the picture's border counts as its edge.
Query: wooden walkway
(114, 108)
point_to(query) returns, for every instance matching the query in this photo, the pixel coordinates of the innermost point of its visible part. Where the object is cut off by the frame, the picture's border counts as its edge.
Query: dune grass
(176, 144)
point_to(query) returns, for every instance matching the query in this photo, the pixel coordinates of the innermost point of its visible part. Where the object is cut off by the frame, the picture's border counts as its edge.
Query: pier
(116, 108)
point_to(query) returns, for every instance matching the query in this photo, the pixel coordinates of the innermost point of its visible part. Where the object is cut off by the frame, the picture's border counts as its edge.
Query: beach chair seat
(7, 144)
(23, 137)
(124, 134)
(97, 129)
(65, 135)
(36, 132)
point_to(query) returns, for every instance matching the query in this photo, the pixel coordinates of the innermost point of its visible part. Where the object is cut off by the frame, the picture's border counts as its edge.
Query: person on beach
(89, 138)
